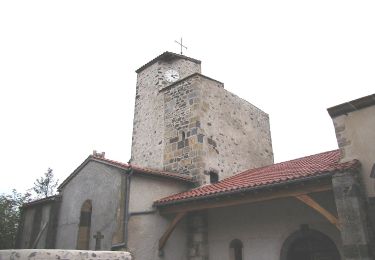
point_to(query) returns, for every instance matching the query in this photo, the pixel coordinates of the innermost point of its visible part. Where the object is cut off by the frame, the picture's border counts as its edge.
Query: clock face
(171, 75)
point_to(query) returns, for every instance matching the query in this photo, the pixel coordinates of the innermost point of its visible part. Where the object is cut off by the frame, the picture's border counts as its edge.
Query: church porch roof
(299, 170)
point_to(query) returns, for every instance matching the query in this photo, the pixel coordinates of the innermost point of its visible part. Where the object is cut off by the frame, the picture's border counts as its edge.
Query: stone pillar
(350, 206)
(197, 236)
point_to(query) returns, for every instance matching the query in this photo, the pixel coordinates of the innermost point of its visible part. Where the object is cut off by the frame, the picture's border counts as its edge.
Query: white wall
(263, 227)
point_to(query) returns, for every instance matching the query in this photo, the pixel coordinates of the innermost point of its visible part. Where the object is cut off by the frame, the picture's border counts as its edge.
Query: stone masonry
(198, 236)
(194, 126)
(350, 204)
(148, 124)
(209, 129)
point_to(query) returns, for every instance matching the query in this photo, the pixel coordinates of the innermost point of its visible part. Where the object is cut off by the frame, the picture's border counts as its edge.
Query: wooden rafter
(245, 199)
(315, 205)
(163, 240)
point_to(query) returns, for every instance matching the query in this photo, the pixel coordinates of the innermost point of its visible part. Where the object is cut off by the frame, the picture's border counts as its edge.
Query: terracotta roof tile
(144, 170)
(294, 170)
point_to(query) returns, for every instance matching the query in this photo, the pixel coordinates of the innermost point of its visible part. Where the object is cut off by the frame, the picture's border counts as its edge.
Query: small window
(372, 174)
(214, 177)
(236, 250)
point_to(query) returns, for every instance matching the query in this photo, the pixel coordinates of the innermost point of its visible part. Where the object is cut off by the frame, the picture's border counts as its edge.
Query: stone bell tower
(188, 123)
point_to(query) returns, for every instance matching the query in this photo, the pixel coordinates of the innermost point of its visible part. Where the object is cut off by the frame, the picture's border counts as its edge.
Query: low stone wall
(47, 254)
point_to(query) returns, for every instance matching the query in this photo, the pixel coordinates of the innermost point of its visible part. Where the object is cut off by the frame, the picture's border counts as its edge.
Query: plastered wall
(100, 184)
(263, 227)
(355, 134)
(145, 227)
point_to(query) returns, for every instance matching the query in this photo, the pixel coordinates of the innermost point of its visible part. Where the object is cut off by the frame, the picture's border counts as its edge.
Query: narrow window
(372, 174)
(83, 240)
(214, 177)
(236, 250)
(183, 136)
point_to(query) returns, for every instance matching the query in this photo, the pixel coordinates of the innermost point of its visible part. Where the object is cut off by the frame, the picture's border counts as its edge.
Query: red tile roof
(280, 173)
(148, 171)
(125, 166)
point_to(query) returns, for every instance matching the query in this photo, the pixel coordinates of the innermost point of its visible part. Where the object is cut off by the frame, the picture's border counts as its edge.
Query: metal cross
(180, 43)
(98, 237)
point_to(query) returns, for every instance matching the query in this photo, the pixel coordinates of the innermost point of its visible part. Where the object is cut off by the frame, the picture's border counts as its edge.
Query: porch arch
(309, 244)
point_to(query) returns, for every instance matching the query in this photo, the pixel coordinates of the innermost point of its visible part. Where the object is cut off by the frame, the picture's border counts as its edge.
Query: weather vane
(182, 46)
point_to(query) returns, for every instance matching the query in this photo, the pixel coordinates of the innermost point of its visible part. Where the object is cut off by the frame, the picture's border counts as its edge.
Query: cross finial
(182, 46)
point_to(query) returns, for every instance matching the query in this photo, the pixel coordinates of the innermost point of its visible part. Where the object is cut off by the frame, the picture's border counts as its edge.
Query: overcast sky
(67, 71)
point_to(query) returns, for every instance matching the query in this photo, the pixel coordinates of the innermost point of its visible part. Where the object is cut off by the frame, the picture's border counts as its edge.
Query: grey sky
(67, 71)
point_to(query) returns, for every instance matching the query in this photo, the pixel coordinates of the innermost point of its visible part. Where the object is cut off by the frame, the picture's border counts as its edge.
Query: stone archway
(309, 245)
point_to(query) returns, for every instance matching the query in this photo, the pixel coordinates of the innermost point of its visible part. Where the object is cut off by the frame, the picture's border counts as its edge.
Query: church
(202, 183)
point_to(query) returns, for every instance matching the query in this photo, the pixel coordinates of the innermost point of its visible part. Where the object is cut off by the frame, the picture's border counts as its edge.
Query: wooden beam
(163, 240)
(248, 198)
(315, 205)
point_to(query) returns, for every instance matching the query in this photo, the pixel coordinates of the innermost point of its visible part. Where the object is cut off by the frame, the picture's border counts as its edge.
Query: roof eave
(251, 189)
(165, 56)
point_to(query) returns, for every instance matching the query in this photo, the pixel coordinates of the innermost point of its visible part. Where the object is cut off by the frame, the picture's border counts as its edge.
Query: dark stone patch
(198, 124)
(180, 144)
(173, 140)
(211, 142)
(32, 254)
(200, 138)
(209, 124)
(194, 131)
(160, 142)
(93, 255)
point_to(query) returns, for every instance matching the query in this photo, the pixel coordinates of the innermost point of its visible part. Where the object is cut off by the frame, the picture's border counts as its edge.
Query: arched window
(83, 240)
(236, 250)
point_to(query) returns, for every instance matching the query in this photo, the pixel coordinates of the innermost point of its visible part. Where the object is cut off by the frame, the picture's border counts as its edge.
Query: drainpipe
(124, 244)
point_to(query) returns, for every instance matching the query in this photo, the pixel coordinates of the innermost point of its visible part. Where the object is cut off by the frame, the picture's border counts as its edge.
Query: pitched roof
(125, 166)
(301, 169)
(167, 56)
(42, 201)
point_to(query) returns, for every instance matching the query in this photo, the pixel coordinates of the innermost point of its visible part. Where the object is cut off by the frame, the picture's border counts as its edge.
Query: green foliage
(9, 217)
(45, 186)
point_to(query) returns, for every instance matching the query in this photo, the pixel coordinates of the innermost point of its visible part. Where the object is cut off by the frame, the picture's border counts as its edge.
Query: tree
(45, 186)
(10, 214)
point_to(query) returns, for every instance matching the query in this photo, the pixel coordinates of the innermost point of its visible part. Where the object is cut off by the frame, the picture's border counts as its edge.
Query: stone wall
(237, 134)
(210, 129)
(33, 254)
(148, 124)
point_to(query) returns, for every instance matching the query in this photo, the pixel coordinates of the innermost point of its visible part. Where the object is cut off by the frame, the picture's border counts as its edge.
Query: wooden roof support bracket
(315, 205)
(163, 240)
